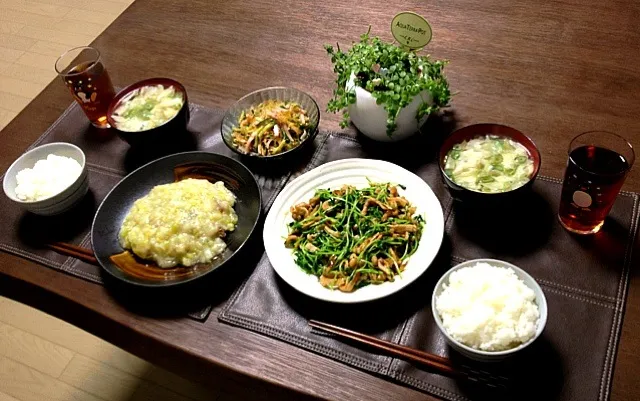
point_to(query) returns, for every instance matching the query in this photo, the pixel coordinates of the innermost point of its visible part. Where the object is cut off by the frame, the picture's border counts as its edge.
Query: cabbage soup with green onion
(147, 107)
(489, 164)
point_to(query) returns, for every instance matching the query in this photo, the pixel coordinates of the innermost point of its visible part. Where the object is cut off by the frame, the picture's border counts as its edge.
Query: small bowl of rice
(48, 180)
(488, 309)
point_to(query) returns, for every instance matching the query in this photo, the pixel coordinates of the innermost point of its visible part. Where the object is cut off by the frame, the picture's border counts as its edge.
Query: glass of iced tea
(88, 80)
(598, 164)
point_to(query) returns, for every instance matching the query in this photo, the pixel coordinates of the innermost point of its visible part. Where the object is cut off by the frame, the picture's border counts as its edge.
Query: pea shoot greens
(392, 75)
(352, 237)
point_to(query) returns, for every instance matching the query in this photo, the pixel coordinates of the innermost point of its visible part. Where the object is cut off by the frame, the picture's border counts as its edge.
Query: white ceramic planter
(371, 118)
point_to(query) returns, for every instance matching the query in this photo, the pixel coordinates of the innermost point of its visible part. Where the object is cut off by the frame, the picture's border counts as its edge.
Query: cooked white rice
(47, 178)
(488, 308)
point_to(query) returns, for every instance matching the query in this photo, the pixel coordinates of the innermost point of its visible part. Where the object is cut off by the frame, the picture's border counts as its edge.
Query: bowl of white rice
(48, 180)
(488, 309)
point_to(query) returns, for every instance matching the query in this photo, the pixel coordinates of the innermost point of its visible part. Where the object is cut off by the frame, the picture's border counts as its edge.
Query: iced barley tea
(88, 81)
(593, 178)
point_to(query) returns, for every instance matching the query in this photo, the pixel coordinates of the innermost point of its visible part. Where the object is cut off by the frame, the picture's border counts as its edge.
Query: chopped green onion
(489, 164)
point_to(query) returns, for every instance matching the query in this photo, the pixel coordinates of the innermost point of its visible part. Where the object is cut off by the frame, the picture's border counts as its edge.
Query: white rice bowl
(488, 308)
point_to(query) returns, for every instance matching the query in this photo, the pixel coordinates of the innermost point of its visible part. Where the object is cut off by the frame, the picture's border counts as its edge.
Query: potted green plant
(386, 91)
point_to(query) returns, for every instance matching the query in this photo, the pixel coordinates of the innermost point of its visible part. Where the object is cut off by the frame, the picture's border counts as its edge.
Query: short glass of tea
(86, 77)
(598, 164)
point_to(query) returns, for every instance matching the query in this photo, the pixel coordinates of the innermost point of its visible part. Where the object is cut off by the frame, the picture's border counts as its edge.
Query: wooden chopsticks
(438, 363)
(84, 254)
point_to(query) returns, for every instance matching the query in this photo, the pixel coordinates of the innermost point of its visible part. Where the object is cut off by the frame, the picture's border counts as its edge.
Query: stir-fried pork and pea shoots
(351, 237)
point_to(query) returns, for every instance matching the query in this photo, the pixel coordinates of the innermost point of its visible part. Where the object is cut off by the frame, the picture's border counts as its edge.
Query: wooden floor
(43, 358)
(33, 33)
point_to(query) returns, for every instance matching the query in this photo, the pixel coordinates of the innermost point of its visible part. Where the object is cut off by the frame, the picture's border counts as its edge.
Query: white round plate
(354, 172)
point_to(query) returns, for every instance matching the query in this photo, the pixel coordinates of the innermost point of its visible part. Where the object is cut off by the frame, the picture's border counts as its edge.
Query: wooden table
(552, 69)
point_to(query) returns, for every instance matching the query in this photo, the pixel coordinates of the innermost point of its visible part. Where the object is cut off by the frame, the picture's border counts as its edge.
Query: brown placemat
(584, 280)
(109, 159)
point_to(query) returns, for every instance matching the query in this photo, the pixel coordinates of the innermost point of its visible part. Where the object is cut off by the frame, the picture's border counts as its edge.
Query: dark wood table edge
(117, 333)
(39, 295)
(146, 347)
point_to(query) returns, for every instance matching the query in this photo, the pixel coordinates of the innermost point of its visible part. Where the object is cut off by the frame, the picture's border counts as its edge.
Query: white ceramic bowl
(56, 204)
(490, 356)
(371, 118)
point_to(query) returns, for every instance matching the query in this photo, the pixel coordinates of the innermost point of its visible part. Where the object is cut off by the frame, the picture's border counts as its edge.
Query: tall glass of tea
(598, 164)
(88, 81)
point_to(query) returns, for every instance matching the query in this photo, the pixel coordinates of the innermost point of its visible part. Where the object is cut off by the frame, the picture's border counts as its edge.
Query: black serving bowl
(230, 119)
(202, 165)
(167, 132)
(477, 198)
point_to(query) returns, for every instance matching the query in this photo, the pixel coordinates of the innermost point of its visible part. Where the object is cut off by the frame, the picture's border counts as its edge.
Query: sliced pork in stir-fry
(352, 237)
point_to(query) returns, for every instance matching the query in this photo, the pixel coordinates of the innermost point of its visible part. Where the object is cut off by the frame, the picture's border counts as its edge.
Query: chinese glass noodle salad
(350, 237)
(271, 127)
(147, 107)
(489, 164)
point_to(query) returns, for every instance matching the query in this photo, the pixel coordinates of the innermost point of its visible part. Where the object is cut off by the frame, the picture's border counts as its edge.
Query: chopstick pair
(78, 252)
(437, 363)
